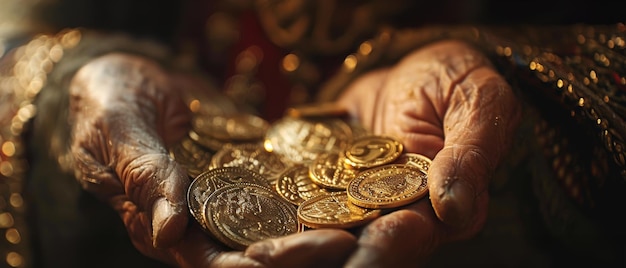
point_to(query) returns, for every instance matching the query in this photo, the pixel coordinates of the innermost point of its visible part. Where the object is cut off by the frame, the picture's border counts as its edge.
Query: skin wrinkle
(141, 170)
(138, 222)
(392, 228)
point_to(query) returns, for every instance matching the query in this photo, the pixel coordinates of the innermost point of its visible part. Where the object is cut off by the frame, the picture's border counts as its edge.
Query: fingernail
(161, 214)
(458, 202)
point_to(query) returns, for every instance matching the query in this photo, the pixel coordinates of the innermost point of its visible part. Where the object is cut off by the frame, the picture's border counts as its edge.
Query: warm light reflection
(291, 62)
(14, 259)
(365, 48)
(6, 168)
(13, 236)
(194, 106)
(6, 220)
(350, 62)
(8, 148)
(16, 200)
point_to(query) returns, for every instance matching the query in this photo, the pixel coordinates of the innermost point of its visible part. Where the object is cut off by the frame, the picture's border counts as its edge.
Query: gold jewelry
(22, 76)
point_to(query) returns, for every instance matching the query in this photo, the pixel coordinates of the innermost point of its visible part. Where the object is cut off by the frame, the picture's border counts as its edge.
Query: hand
(447, 102)
(124, 111)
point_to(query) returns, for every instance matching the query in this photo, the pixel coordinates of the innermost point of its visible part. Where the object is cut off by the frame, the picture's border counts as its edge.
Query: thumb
(478, 126)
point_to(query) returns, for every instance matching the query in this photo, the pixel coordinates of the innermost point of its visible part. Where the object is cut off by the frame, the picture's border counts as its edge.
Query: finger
(196, 249)
(403, 238)
(478, 124)
(123, 99)
(315, 248)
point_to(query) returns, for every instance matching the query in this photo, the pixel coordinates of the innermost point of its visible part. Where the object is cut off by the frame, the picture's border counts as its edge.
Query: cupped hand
(124, 111)
(445, 101)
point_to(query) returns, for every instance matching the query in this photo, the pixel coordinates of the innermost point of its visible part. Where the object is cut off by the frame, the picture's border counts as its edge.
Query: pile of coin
(253, 180)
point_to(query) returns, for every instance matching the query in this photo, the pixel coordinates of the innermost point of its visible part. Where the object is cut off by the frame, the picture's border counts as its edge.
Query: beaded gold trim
(21, 79)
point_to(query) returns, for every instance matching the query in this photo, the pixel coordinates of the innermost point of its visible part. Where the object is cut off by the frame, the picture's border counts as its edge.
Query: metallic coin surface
(371, 151)
(208, 142)
(388, 186)
(241, 214)
(327, 171)
(191, 156)
(250, 156)
(333, 210)
(234, 127)
(295, 185)
(420, 161)
(207, 182)
(301, 140)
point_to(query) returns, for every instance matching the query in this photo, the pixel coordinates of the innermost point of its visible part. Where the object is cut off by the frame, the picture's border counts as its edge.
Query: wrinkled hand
(447, 102)
(124, 111)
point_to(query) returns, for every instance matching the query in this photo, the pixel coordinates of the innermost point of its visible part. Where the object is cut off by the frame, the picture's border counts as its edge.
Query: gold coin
(234, 127)
(208, 142)
(301, 140)
(241, 214)
(192, 157)
(371, 151)
(420, 161)
(295, 185)
(207, 182)
(388, 186)
(250, 156)
(327, 171)
(333, 210)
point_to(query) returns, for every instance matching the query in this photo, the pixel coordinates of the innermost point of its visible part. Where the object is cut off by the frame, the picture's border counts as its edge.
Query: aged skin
(444, 101)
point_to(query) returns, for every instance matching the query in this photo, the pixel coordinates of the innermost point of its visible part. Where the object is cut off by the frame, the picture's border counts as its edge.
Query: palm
(447, 102)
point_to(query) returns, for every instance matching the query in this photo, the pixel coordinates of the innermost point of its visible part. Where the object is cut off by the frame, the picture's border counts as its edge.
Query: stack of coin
(269, 180)
(371, 173)
(238, 207)
(213, 132)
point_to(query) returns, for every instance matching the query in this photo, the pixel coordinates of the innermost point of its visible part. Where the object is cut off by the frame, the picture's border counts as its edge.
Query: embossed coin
(250, 156)
(241, 214)
(295, 185)
(388, 186)
(302, 140)
(208, 142)
(420, 161)
(333, 210)
(371, 151)
(234, 127)
(327, 171)
(207, 182)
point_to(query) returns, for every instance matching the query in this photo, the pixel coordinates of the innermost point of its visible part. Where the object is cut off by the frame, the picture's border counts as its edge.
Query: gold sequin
(14, 259)
(291, 62)
(350, 62)
(16, 200)
(13, 236)
(8, 148)
(365, 48)
(6, 220)
(6, 168)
